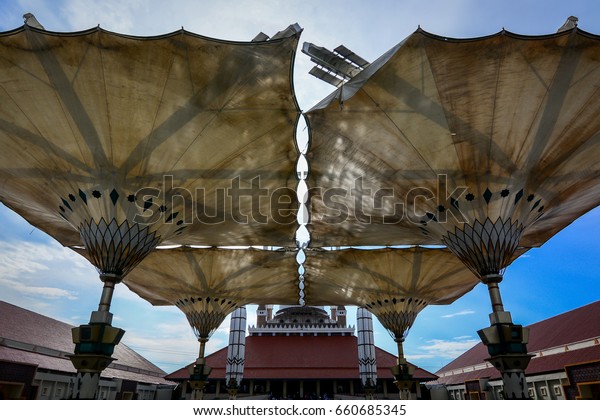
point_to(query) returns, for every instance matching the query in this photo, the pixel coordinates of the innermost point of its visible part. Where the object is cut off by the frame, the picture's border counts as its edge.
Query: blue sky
(39, 274)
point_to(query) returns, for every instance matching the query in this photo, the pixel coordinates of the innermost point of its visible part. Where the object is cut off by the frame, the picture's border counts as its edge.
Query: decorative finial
(31, 21)
(569, 24)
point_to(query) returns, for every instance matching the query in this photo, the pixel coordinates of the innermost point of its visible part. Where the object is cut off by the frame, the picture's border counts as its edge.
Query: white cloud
(113, 15)
(447, 349)
(461, 313)
(168, 353)
(40, 270)
(462, 337)
(43, 292)
(215, 343)
(171, 345)
(20, 257)
(420, 356)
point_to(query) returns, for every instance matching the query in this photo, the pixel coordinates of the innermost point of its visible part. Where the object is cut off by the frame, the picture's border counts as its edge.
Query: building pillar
(301, 388)
(506, 343)
(385, 390)
(487, 248)
(403, 373)
(284, 389)
(318, 387)
(114, 249)
(95, 343)
(251, 386)
(199, 372)
(351, 387)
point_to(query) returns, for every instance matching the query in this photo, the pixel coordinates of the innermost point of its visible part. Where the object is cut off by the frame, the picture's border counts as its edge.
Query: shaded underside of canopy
(384, 278)
(368, 278)
(441, 132)
(191, 132)
(242, 276)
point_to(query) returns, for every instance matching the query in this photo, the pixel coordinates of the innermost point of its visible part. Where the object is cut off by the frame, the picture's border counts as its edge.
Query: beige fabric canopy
(480, 143)
(243, 276)
(186, 136)
(394, 284)
(209, 283)
(362, 277)
(117, 144)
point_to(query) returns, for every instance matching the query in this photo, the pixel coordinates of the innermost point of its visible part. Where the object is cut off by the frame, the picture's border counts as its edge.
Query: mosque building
(305, 352)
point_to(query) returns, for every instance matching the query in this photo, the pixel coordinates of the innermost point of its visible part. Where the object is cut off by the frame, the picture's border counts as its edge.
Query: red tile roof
(40, 360)
(570, 327)
(301, 357)
(538, 365)
(45, 336)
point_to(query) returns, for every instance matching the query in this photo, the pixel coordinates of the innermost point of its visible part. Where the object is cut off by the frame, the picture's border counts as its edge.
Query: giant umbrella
(118, 143)
(395, 284)
(207, 284)
(482, 145)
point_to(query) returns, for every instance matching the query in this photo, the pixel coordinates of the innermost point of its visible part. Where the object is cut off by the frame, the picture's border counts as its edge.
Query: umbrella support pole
(506, 343)
(199, 372)
(403, 374)
(94, 344)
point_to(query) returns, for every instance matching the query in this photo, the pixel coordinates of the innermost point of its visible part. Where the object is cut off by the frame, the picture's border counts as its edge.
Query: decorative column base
(405, 388)
(86, 386)
(232, 393)
(369, 388)
(199, 373)
(232, 389)
(512, 367)
(507, 346)
(198, 392)
(403, 375)
(94, 345)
